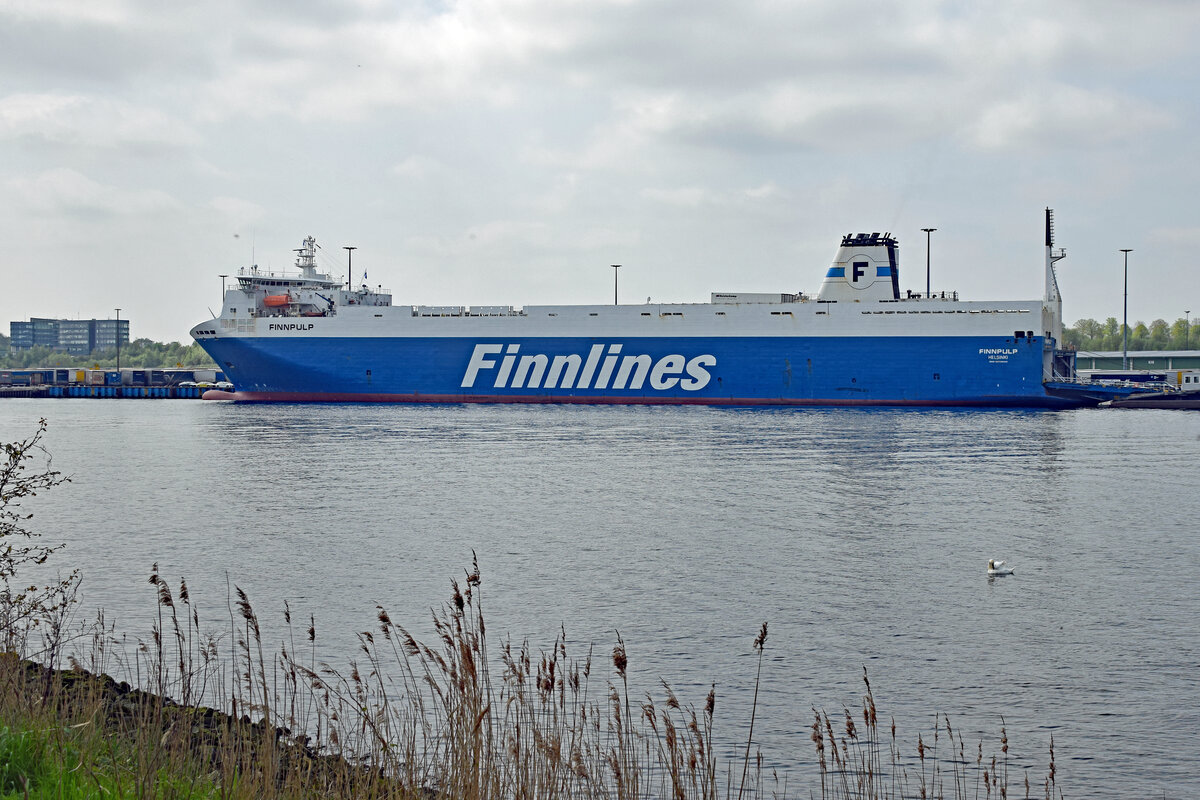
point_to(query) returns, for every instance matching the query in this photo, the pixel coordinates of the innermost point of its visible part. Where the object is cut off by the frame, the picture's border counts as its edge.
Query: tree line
(1088, 334)
(138, 354)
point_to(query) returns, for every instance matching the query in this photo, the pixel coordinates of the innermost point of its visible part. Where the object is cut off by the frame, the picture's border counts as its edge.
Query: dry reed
(406, 719)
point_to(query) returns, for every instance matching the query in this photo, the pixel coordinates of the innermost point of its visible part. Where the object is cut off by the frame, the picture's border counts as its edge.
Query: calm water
(860, 536)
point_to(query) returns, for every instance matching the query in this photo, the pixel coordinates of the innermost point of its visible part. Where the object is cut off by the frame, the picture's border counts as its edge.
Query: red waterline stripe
(347, 397)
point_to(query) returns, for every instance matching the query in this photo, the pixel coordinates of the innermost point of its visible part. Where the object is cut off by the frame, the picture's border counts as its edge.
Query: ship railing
(273, 313)
(255, 272)
(1150, 386)
(293, 275)
(951, 296)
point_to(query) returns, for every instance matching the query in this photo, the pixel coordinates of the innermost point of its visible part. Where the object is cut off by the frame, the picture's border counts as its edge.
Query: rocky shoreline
(217, 746)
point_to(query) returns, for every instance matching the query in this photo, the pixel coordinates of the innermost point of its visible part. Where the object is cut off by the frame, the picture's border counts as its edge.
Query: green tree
(1083, 335)
(1090, 330)
(1139, 336)
(1183, 334)
(1111, 338)
(1160, 335)
(1176, 335)
(139, 354)
(1088, 334)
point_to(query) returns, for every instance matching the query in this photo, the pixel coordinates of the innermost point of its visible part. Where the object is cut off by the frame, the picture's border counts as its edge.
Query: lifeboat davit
(276, 300)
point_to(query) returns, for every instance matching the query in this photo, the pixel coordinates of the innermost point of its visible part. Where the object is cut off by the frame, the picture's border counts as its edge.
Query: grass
(57, 762)
(22, 760)
(59, 743)
(219, 715)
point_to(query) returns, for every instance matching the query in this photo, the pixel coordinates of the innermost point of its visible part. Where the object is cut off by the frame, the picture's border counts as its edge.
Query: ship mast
(306, 259)
(1053, 299)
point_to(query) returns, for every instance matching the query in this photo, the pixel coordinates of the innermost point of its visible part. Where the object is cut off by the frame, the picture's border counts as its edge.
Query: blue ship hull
(849, 371)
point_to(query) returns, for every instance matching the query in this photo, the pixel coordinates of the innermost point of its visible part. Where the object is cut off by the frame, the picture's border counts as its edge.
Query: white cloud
(69, 193)
(1064, 117)
(108, 12)
(417, 166)
(81, 121)
(1188, 237)
(518, 239)
(697, 196)
(687, 196)
(238, 212)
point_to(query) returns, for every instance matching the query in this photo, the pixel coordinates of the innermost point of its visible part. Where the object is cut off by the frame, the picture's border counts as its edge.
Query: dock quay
(115, 392)
(164, 384)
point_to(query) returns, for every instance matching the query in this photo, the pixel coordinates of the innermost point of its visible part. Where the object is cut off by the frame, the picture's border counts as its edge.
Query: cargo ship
(304, 336)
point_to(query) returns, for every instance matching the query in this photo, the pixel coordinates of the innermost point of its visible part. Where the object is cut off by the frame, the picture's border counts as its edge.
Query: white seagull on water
(996, 567)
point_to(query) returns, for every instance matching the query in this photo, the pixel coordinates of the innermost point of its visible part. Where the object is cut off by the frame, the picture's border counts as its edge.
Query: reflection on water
(861, 536)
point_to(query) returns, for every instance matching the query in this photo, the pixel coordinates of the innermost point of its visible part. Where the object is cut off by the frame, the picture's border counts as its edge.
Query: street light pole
(927, 232)
(118, 334)
(349, 265)
(615, 268)
(1125, 313)
(1187, 329)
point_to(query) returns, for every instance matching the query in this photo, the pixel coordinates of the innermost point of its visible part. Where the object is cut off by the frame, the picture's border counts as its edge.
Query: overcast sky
(508, 151)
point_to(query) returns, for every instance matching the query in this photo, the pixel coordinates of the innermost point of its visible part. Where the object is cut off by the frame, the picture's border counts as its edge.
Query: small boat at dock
(1160, 400)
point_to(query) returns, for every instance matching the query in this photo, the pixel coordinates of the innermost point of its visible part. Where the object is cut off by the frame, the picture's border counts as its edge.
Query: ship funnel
(865, 269)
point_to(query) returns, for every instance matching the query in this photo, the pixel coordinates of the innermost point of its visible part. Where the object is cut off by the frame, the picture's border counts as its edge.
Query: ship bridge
(305, 293)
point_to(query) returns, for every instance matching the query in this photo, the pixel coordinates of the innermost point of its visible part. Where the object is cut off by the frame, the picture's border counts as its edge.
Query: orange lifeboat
(276, 300)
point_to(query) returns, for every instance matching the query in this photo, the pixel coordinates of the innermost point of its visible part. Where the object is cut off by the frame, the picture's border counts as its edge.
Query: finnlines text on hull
(513, 370)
